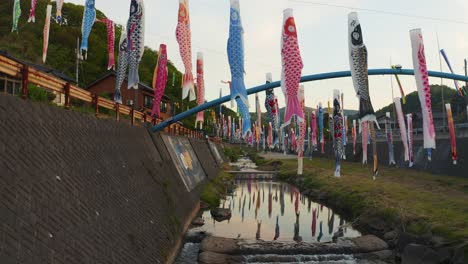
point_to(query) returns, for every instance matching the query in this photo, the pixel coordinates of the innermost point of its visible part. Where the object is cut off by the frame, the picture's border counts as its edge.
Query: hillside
(27, 45)
(450, 96)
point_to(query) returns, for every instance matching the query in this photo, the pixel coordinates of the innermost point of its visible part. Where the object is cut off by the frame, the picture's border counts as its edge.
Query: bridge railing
(29, 75)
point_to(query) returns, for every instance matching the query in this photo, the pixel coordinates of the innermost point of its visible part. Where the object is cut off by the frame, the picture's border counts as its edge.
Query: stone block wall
(77, 189)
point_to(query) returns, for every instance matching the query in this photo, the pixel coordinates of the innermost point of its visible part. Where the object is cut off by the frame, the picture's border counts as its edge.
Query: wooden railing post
(133, 116)
(67, 96)
(117, 112)
(96, 104)
(25, 81)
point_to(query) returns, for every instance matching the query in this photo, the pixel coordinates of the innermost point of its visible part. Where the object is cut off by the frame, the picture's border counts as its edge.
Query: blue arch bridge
(309, 78)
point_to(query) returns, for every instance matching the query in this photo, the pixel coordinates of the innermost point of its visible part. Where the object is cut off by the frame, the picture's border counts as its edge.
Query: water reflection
(297, 218)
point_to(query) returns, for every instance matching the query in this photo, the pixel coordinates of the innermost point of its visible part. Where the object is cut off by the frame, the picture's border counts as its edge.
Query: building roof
(114, 74)
(39, 67)
(108, 74)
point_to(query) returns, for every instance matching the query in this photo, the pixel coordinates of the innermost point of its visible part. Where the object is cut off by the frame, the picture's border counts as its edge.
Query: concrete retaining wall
(76, 189)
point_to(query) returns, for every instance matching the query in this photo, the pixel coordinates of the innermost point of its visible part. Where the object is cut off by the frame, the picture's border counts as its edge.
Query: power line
(260, 60)
(382, 12)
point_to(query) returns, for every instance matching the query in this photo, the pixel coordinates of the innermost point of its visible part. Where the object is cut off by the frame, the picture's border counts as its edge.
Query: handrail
(14, 69)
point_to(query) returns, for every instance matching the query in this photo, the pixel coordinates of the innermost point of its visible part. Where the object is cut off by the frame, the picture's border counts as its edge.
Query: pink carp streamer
(374, 148)
(291, 68)
(110, 41)
(32, 12)
(354, 134)
(184, 38)
(159, 80)
(314, 130)
(453, 140)
(45, 45)
(201, 90)
(409, 118)
(402, 125)
(302, 133)
(365, 140)
(424, 90)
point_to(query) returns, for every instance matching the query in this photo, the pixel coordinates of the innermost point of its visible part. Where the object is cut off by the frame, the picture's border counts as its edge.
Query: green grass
(420, 202)
(253, 155)
(216, 188)
(232, 152)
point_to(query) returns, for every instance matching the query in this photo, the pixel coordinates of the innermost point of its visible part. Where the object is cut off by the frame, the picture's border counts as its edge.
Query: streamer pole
(441, 80)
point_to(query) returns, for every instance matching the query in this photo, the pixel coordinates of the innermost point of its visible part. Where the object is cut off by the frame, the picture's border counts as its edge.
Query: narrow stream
(273, 211)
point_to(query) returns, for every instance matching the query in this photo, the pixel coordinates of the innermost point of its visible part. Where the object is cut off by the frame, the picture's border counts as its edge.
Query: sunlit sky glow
(322, 34)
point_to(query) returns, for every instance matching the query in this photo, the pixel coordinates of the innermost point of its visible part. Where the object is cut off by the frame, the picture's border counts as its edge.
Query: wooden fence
(29, 75)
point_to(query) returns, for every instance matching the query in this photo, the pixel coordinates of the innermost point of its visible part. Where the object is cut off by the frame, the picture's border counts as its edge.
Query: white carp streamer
(402, 125)
(424, 90)
(409, 118)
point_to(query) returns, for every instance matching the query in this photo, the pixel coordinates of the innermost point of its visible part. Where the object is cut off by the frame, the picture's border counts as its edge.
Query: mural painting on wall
(185, 161)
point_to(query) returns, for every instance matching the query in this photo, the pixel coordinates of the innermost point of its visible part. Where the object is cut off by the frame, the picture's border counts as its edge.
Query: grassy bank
(233, 153)
(418, 202)
(216, 188)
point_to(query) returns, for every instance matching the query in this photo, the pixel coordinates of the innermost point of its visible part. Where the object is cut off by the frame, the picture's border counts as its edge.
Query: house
(141, 98)
(14, 86)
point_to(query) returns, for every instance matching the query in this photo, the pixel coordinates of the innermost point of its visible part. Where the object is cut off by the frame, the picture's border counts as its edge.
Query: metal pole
(441, 82)
(466, 87)
(77, 60)
(393, 98)
(309, 78)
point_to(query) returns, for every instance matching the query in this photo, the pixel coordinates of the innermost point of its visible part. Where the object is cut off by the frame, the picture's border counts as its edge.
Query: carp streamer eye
(234, 16)
(356, 35)
(291, 29)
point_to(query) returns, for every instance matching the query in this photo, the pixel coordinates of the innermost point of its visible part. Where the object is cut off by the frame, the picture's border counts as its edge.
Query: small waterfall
(188, 253)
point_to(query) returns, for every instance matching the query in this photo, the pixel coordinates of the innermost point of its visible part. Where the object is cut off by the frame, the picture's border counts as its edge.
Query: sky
(323, 39)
